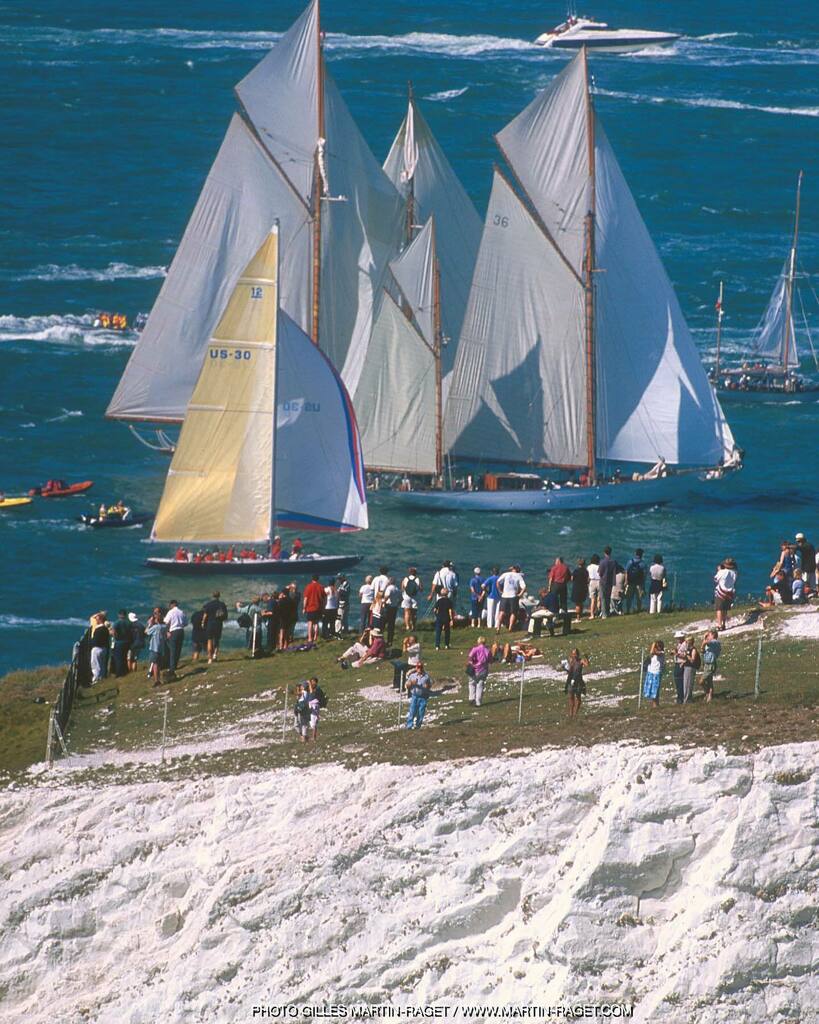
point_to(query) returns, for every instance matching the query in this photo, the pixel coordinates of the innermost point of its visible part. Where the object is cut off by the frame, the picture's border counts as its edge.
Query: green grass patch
(228, 717)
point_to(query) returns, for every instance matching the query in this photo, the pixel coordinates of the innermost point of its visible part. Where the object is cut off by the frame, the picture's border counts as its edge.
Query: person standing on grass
(444, 618)
(175, 620)
(313, 606)
(199, 638)
(476, 597)
(212, 622)
(635, 581)
(559, 576)
(477, 668)
(807, 557)
(410, 589)
(656, 585)
(343, 592)
(594, 586)
(680, 660)
(157, 634)
(492, 598)
(316, 701)
(137, 641)
(711, 650)
(302, 713)
(607, 570)
(419, 688)
(389, 613)
(330, 613)
(122, 634)
(366, 593)
(692, 664)
(100, 647)
(580, 588)
(512, 587)
(410, 656)
(725, 587)
(653, 668)
(575, 684)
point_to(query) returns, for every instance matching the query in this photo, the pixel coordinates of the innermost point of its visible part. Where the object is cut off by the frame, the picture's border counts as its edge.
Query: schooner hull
(629, 494)
(305, 566)
(740, 397)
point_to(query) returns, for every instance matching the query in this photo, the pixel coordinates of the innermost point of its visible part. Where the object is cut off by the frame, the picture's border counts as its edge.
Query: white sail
(395, 398)
(769, 337)
(518, 391)
(547, 146)
(320, 482)
(220, 483)
(414, 271)
(438, 193)
(654, 399)
(280, 96)
(360, 230)
(243, 195)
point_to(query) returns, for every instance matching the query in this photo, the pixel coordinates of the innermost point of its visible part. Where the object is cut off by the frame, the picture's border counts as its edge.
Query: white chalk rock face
(682, 882)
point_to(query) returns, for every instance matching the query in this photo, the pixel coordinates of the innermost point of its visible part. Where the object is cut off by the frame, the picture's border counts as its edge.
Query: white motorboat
(577, 32)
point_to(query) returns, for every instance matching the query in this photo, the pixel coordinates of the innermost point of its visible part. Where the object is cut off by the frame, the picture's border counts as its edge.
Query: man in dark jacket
(635, 580)
(807, 555)
(607, 570)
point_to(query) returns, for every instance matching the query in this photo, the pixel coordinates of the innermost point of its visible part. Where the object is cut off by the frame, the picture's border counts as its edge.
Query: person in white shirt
(594, 586)
(656, 585)
(366, 593)
(176, 620)
(381, 580)
(725, 585)
(447, 579)
(512, 587)
(392, 602)
(410, 589)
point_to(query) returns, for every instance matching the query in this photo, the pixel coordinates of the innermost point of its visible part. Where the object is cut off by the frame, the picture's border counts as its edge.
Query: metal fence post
(50, 740)
(284, 714)
(642, 674)
(522, 661)
(165, 723)
(674, 592)
(758, 667)
(255, 630)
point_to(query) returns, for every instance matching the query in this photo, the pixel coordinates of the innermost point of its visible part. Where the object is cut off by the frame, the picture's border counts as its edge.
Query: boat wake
(62, 330)
(26, 622)
(447, 94)
(707, 101)
(73, 272)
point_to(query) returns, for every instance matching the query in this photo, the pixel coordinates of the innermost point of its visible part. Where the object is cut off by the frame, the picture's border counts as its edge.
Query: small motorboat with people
(576, 32)
(105, 321)
(15, 502)
(60, 489)
(114, 516)
(771, 367)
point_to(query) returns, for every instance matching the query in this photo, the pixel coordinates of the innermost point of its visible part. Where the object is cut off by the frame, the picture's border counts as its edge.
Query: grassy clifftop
(228, 717)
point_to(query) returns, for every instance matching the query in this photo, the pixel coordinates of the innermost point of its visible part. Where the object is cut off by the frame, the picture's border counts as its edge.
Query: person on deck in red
(295, 551)
(181, 555)
(313, 605)
(276, 547)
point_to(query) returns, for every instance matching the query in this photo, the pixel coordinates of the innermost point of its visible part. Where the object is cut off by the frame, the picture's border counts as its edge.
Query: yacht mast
(589, 270)
(318, 183)
(719, 333)
(436, 354)
(791, 275)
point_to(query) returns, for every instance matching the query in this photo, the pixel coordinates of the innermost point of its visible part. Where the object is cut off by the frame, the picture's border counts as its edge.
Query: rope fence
(77, 675)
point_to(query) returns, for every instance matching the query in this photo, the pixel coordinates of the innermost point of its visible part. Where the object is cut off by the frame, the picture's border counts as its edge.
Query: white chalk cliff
(509, 880)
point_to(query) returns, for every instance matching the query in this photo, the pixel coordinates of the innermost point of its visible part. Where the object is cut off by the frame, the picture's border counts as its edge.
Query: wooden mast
(410, 222)
(791, 275)
(589, 268)
(719, 334)
(436, 354)
(317, 184)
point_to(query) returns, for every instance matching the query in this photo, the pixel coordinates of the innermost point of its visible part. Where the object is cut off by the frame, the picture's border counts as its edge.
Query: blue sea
(110, 115)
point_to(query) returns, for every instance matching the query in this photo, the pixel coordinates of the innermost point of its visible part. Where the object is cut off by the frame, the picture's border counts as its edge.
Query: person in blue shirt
(476, 597)
(492, 597)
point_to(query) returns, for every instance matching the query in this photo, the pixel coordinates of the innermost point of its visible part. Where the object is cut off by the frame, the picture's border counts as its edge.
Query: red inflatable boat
(60, 489)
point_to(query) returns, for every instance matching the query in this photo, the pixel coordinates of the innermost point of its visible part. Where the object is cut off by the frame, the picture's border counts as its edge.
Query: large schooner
(771, 367)
(574, 357)
(269, 439)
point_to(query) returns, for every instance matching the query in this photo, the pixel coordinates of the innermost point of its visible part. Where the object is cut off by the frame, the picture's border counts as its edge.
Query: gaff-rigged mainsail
(775, 333)
(419, 169)
(616, 370)
(294, 154)
(265, 397)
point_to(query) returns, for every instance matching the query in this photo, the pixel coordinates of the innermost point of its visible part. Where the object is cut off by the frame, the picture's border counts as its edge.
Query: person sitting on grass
(369, 648)
(419, 688)
(509, 652)
(547, 610)
(575, 685)
(653, 668)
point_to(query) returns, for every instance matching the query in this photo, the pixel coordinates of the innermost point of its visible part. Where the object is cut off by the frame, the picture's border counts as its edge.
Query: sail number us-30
(230, 353)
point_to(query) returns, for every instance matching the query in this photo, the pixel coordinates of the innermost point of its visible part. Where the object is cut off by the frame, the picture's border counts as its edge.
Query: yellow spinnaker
(220, 484)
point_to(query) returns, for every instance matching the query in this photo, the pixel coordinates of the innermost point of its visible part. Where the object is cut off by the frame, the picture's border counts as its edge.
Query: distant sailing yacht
(771, 368)
(269, 439)
(574, 355)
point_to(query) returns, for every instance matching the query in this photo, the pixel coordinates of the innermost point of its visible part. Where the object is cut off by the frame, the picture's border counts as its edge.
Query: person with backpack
(212, 622)
(692, 665)
(635, 581)
(711, 650)
(410, 588)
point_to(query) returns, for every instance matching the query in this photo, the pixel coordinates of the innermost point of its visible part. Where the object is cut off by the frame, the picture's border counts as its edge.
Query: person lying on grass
(370, 648)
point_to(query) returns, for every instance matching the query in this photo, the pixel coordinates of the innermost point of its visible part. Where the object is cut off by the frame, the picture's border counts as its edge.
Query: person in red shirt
(276, 547)
(313, 606)
(559, 576)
